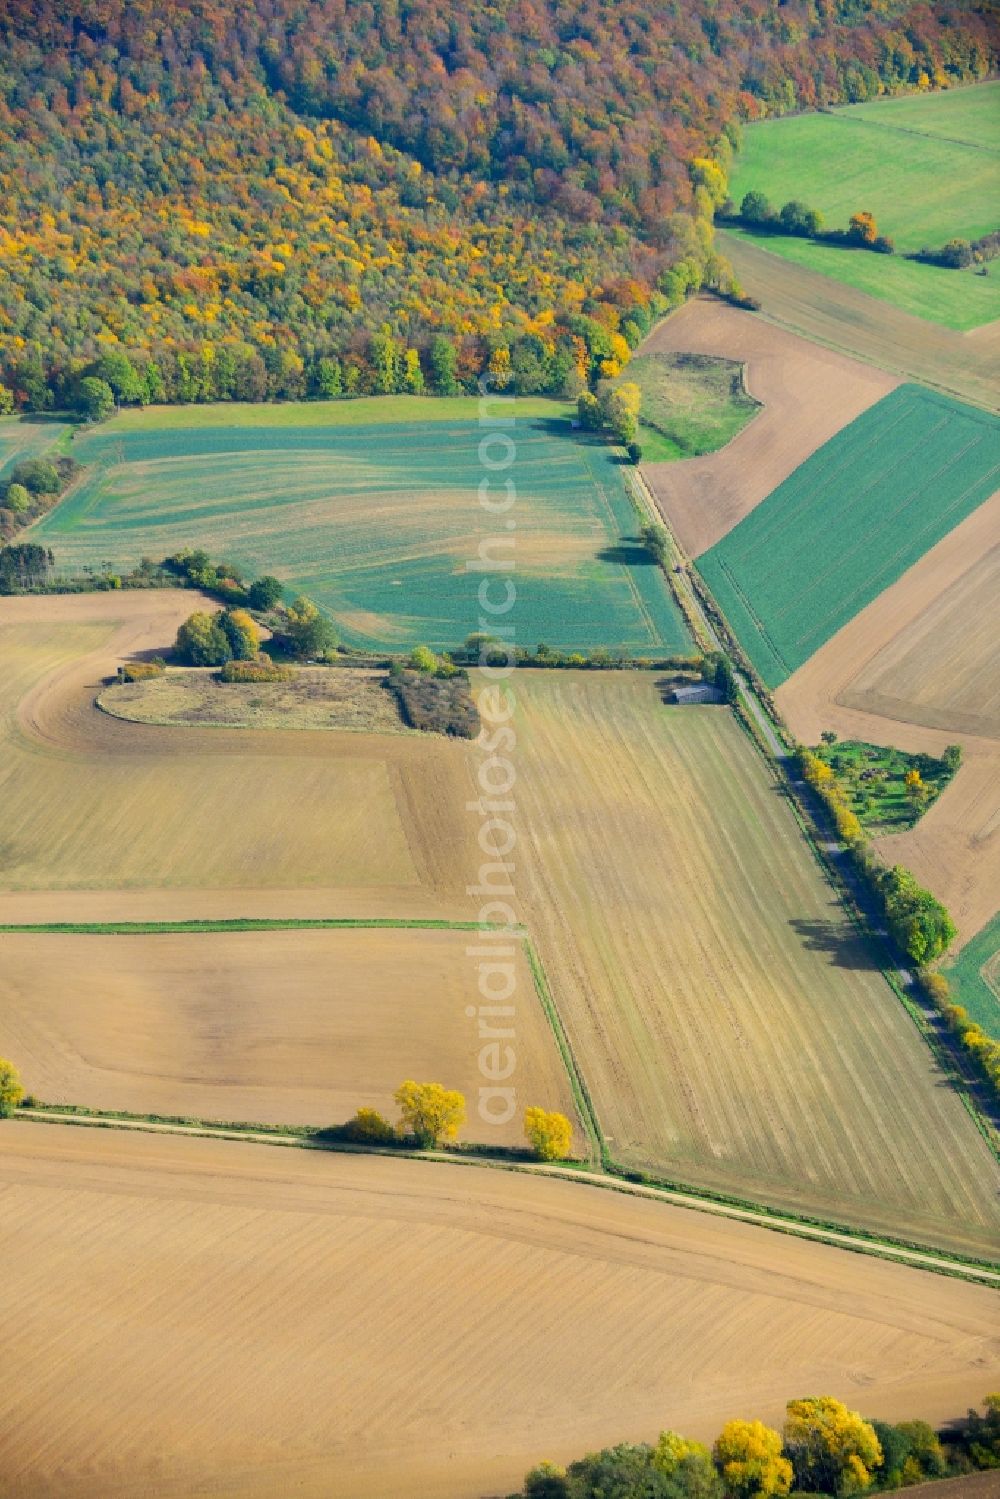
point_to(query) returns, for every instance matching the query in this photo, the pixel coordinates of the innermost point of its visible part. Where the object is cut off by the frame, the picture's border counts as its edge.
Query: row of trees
(432, 1115)
(824, 1448)
(798, 219)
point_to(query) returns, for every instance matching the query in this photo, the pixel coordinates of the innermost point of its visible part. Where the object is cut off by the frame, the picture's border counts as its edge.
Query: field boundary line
(917, 1256)
(255, 924)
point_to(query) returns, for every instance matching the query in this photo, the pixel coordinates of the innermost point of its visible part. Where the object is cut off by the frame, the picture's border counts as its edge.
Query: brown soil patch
(808, 394)
(316, 698)
(254, 1321)
(966, 365)
(293, 1027)
(919, 668)
(731, 1026)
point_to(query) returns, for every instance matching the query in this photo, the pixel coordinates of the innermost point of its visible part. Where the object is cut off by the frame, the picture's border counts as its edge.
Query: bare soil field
(808, 394)
(962, 364)
(95, 803)
(919, 668)
(731, 1028)
(316, 698)
(278, 1027)
(253, 1321)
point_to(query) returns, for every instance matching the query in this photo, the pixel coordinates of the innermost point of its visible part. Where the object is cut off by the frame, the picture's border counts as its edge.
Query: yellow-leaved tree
(11, 1091)
(749, 1457)
(549, 1134)
(691, 1463)
(833, 1449)
(430, 1111)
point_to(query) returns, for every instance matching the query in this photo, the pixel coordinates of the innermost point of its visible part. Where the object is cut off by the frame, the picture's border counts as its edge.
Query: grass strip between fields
(601, 1170)
(255, 924)
(677, 1194)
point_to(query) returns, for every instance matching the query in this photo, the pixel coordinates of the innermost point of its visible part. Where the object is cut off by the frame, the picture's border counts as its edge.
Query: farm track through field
(395, 1306)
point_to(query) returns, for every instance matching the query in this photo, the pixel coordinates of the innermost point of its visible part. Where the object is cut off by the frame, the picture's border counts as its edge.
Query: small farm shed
(700, 692)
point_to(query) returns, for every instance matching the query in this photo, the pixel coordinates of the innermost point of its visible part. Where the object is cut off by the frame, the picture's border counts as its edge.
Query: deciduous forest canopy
(241, 195)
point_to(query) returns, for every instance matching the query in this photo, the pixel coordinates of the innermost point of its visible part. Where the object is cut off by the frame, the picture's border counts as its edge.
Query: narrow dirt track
(255, 1321)
(808, 394)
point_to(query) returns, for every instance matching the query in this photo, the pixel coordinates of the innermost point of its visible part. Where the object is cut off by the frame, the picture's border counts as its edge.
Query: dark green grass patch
(691, 403)
(379, 524)
(873, 780)
(975, 978)
(850, 521)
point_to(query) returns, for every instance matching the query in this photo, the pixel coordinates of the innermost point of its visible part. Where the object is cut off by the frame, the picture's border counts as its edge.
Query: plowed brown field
(966, 365)
(197, 1317)
(293, 1027)
(729, 1022)
(91, 802)
(920, 668)
(808, 394)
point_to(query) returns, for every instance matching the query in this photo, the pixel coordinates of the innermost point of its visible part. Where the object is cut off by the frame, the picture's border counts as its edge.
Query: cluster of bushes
(959, 254)
(215, 639)
(432, 1115)
(613, 410)
(141, 671)
(824, 1448)
(979, 1045)
(195, 568)
(31, 489)
(263, 669)
(434, 695)
(757, 212)
(918, 923)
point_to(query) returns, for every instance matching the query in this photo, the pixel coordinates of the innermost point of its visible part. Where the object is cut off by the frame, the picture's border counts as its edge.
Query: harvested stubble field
(255, 1321)
(276, 1027)
(966, 365)
(919, 668)
(380, 523)
(315, 698)
(806, 394)
(975, 977)
(880, 157)
(727, 1018)
(849, 522)
(376, 822)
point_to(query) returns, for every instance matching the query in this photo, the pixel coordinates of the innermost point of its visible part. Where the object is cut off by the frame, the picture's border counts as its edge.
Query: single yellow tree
(550, 1135)
(431, 1112)
(833, 1449)
(11, 1091)
(672, 1450)
(748, 1455)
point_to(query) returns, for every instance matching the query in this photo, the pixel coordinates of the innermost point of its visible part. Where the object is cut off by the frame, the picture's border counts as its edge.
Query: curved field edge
(974, 984)
(603, 1162)
(848, 522)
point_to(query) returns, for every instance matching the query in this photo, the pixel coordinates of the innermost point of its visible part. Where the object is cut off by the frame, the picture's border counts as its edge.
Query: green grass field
(379, 524)
(848, 522)
(691, 403)
(927, 166)
(975, 978)
(361, 412)
(26, 437)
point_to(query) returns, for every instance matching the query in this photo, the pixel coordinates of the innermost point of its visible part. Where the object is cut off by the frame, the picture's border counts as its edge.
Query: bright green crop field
(975, 978)
(927, 166)
(380, 523)
(848, 522)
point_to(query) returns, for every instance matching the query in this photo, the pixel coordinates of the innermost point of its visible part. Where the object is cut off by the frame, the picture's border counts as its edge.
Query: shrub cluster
(824, 1448)
(33, 487)
(140, 671)
(798, 219)
(260, 669)
(438, 702)
(959, 254)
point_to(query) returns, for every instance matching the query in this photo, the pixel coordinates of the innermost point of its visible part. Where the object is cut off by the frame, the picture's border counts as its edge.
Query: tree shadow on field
(628, 552)
(842, 945)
